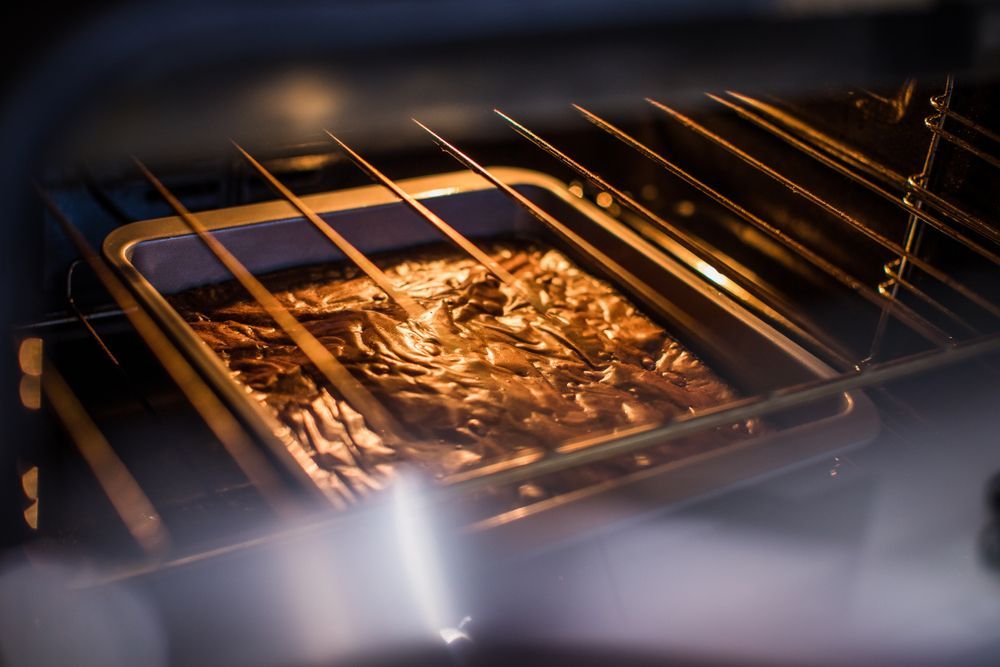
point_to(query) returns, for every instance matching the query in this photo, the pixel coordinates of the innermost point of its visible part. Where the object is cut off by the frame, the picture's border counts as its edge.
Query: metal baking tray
(161, 256)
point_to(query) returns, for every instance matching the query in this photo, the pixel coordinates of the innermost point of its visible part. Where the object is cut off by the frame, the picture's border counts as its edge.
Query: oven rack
(926, 212)
(911, 194)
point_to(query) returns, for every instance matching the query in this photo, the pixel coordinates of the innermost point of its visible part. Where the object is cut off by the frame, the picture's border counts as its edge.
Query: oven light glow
(418, 553)
(29, 356)
(30, 391)
(29, 484)
(31, 516)
(685, 208)
(302, 99)
(452, 635)
(711, 273)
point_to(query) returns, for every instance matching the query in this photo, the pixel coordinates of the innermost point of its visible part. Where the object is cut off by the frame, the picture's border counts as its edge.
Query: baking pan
(161, 257)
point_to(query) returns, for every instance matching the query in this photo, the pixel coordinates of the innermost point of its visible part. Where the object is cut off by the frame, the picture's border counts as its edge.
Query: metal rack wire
(926, 212)
(912, 195)
(935, 123)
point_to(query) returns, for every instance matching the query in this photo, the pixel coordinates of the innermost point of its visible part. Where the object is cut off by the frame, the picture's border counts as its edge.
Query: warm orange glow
(30, 391)
(29, 356)
(29, 482)
(31, 516)
(604, 200)
(685, 208)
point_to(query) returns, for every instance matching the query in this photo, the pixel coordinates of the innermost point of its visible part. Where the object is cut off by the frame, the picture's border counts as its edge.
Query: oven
(557, 332)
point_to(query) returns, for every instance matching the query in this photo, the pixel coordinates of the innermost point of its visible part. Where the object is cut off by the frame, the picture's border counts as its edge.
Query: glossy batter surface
(482, 379)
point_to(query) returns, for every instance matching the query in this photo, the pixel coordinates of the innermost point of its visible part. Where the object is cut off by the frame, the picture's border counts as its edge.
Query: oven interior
(847, 202)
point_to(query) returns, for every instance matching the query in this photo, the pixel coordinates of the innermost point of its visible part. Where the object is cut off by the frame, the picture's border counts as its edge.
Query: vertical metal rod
(913, 226)
(413, 310)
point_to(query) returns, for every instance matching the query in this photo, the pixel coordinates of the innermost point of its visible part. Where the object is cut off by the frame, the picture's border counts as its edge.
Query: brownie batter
(483, 378)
